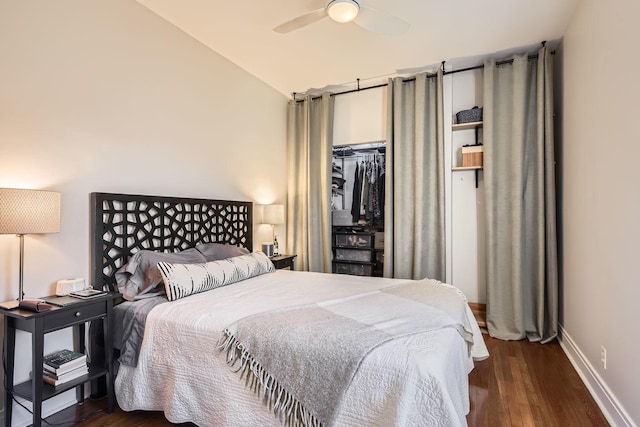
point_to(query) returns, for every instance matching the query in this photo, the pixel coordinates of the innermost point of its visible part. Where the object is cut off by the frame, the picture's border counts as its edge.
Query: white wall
(107, 96)
(466, 208)
(360, 117)
(601, 200)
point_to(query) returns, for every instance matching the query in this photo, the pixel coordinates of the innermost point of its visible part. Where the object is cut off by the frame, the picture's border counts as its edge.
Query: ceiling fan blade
(380, 22)
(301, 21)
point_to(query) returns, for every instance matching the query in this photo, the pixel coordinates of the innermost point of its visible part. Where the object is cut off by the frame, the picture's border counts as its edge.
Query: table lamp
(274, 215)
(27, 212)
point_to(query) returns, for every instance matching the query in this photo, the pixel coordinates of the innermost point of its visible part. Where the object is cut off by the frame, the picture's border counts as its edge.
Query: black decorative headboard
(122, 224)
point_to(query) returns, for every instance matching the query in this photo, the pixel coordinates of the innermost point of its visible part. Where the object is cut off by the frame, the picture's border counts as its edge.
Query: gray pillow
(141, 275)
(217, 251)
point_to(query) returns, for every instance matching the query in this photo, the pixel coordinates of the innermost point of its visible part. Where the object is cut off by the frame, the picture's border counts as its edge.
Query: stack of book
(63, 366)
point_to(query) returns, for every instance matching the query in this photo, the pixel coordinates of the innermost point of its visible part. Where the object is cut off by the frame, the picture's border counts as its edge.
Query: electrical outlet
(603, 356)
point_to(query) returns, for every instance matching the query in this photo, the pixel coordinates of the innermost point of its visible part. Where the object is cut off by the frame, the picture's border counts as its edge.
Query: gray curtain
(309, 142)
(414, 206)
(519, 180)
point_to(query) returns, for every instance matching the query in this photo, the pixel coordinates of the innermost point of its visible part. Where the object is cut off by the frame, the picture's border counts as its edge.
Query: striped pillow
(181, 280)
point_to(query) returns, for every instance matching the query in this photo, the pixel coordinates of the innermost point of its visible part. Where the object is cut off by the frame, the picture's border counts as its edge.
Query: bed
(182, 366)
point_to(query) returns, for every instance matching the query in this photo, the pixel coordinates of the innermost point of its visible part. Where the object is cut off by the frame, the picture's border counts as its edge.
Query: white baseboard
(606, 400)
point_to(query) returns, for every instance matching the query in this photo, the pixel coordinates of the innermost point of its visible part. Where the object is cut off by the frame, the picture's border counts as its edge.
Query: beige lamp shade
(29, 211)
(273, 214)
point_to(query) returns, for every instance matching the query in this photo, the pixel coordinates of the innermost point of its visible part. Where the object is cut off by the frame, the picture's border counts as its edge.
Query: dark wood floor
(521, 384)
(529, 384)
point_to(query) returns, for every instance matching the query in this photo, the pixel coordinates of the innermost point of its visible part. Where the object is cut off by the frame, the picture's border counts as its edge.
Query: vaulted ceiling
(327, 53)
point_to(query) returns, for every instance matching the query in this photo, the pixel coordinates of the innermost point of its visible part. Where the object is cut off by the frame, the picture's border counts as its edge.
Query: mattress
(415, 380)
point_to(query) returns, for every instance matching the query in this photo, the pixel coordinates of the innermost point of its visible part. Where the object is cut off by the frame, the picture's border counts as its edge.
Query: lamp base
(10, 305)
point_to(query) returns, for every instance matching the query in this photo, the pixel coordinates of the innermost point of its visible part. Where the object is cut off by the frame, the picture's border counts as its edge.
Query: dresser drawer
(73, 315)
(353, 269)
(354, 240)
(363, 255)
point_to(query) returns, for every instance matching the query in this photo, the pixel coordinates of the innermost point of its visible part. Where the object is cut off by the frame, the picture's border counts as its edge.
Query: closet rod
(354, 153)
(410, 79)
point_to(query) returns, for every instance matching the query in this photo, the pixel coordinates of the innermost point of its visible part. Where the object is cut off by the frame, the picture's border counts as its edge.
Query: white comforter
(419, 380)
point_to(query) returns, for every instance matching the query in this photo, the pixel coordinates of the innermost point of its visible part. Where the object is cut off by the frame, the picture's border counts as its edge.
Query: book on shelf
(55, 380)
(63, 361)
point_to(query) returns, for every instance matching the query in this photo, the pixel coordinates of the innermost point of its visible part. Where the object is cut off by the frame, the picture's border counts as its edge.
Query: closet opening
(357, 204)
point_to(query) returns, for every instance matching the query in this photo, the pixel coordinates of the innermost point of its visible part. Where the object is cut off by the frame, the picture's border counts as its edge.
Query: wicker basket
(467, 116)
(472, 156)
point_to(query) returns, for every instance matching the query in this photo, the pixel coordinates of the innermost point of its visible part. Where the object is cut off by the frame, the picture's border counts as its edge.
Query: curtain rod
(410, 79)
(506, 61)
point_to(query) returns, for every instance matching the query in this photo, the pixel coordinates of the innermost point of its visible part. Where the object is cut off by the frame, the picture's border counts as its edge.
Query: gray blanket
(302, 359)
(134, 319)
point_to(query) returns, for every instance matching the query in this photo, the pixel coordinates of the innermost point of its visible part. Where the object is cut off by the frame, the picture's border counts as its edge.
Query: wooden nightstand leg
(108, 349)
(97, 337)
(80, 346)
(10, 354)
(37, 342)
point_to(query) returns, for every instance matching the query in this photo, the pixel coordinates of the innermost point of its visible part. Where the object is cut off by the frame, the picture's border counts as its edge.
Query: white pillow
(181, 280)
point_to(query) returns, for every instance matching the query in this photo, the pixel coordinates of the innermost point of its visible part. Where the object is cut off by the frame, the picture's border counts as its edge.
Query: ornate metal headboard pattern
(123, 224)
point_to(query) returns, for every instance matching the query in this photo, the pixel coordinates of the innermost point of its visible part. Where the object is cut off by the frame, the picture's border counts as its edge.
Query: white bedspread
(181, 372)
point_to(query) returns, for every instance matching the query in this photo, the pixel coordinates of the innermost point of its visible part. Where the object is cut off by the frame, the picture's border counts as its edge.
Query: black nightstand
(283, 261)
(38, 324)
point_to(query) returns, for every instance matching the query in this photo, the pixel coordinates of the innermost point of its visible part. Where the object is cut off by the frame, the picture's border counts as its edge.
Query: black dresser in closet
(358, 251)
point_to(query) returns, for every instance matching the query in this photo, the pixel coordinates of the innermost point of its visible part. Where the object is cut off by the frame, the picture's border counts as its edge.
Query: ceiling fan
(343, 11)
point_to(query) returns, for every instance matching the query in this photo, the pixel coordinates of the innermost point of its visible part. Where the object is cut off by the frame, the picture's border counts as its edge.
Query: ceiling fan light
(343, 10)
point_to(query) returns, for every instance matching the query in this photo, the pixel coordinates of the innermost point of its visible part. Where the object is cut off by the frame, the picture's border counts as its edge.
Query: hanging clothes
(365, 186)
(373, 208)
(364, 172)
(379, 217)
(355, 202)
(362, 180)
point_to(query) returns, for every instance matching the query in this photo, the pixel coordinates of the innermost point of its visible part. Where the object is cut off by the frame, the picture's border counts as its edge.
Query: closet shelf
(463, 126)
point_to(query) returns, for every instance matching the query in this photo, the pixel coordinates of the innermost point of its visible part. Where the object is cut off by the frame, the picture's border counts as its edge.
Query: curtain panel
(309, 143)
(414, 209)
(519, 181)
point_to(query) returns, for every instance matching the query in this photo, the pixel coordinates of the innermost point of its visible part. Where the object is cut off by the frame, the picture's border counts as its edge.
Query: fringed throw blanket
(302, 359)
